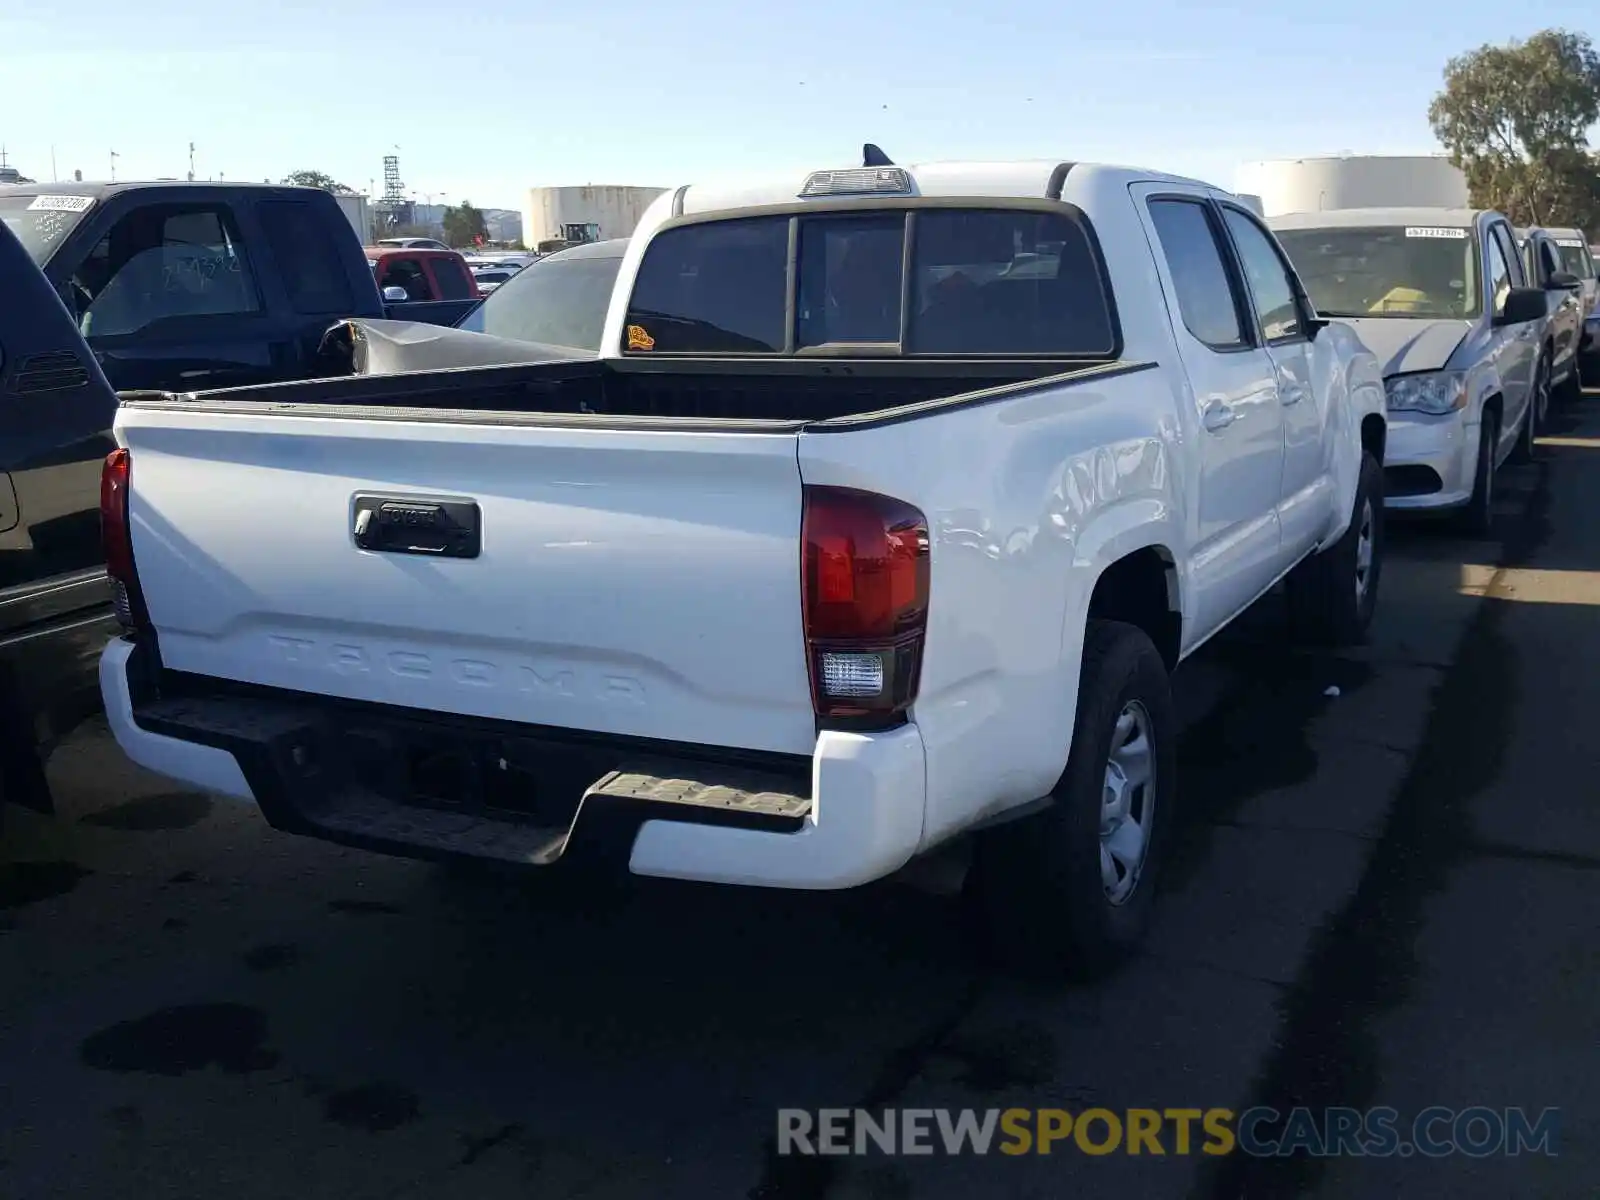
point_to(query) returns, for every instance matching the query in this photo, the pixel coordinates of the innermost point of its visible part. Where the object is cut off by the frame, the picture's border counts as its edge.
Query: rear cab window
(917, 281)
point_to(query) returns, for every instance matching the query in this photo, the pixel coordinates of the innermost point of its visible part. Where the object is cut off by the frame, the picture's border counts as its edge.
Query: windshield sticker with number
(1429, 231)
(1571, 243)
(75, 204)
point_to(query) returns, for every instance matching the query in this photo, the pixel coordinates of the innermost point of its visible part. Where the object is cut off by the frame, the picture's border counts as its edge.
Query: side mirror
(395, 295)
(1523, 305)
(1564, 281)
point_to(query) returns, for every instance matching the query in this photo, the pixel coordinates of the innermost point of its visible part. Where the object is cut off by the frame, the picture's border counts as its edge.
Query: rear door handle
(1292, 393)
(1218, 416)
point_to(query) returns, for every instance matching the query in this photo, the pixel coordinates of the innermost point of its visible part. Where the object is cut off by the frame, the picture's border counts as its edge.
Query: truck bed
(786, 393)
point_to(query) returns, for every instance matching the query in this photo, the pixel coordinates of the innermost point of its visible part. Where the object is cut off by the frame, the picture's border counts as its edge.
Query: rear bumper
(1429, 461)
(862, 819)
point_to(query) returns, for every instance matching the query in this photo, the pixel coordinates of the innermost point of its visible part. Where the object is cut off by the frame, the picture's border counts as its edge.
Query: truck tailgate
(634, 582)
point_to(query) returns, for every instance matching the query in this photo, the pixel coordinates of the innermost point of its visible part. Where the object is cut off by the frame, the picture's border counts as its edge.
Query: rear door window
(313, 270)
(978, 281)
(453, 278)
(1206, 300)
(161, 263)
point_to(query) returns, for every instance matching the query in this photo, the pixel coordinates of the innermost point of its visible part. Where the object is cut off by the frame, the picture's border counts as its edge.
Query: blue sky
(487, 98)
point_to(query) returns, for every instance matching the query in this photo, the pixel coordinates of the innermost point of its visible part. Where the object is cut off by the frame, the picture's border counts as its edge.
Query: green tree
(316, 179)
(1515, 119)
(464, 225)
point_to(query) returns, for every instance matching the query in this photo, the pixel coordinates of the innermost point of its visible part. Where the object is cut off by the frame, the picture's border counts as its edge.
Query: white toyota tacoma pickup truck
(891, 501)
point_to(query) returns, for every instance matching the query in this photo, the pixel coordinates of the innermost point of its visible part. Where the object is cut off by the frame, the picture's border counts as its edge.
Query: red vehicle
(422, 274)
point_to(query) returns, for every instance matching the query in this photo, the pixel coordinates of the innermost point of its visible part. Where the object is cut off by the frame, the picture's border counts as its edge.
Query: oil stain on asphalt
(374, 1107)
(153, 814)
(190, 1037)
(24, 883)
(1363, 960)
(1254, 741)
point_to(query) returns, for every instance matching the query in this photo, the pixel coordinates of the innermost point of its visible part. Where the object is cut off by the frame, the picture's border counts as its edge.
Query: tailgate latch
(417, 525)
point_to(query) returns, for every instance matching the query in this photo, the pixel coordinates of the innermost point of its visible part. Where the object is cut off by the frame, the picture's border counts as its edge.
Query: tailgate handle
(410, 525)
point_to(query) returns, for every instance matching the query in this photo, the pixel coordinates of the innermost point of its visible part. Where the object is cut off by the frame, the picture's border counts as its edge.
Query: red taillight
(865, 585)
(117, 542)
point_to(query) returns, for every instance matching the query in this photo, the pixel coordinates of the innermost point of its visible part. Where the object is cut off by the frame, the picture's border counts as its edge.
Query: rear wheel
(1477, 518)
(1068, 890)
(1333, 594)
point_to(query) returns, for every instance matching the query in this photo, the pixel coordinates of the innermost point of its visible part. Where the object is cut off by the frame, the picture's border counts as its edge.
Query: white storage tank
(1289, 185)
(592, 213)
(358, 212)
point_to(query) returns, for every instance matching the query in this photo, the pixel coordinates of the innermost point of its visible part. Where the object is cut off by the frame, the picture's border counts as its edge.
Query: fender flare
(1141, 523)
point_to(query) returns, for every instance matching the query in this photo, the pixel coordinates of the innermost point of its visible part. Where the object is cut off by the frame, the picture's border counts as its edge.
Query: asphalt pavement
(1382, 892)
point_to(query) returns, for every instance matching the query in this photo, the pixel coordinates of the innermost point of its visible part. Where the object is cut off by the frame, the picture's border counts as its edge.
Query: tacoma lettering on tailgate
(568, 683)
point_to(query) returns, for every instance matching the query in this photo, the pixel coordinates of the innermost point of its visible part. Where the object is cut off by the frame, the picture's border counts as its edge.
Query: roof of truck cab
(102, 191)
(1570, 234)
(1024, 179)
(1436, 218)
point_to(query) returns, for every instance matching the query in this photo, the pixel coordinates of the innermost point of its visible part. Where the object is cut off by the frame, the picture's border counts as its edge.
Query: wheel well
(1142, 589)
(1374, 433)
(1492, 405)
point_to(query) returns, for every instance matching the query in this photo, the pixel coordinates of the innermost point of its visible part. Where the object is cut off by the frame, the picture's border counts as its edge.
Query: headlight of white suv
(1436, 392)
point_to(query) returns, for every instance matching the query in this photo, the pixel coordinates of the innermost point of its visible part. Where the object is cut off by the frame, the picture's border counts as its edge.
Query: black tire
(1538, 413)
(1332, 595)
(1477, 518)
(1036, 884)
(1570, 390)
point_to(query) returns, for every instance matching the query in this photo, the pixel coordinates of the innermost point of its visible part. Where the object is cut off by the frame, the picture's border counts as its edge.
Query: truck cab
(178, 286)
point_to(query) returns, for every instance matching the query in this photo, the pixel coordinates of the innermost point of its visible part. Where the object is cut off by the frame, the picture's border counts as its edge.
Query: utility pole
(114, 157)
(53, 176)
(191, 162)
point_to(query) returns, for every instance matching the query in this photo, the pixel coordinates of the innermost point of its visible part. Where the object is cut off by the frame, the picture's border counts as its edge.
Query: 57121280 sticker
(1432, 231)
(76, 204)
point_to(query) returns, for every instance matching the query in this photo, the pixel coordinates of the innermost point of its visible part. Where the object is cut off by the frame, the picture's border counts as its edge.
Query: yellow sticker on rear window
(638, 339)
